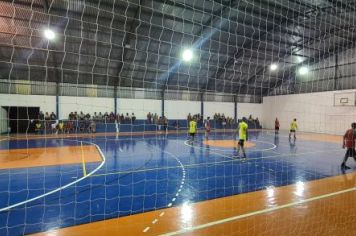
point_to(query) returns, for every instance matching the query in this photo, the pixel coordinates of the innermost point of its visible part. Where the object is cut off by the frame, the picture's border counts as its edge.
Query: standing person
(165, 124)
(192, 129)
(207, 126)
(133, 118)
(38, 127)
(243, 128)
(349, 143)
(92, 126)
(61, 127)
(293, 128)
(276, 126)
(149, 116)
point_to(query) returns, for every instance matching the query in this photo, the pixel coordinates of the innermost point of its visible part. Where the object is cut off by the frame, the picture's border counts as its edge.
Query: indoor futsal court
(176, 117)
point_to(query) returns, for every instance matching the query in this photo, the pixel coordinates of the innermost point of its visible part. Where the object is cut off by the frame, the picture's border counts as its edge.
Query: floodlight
(187, 55)
(49, 34)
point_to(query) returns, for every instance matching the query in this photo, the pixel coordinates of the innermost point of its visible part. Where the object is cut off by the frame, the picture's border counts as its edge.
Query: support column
(115, 100)
(202, 105)
(57, 100)
(235, 108)
(335, 72)
(162, 102)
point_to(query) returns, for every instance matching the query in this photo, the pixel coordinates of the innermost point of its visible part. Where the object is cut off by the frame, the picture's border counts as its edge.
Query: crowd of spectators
(80, 122)
(223, 120)
(104, 117)
(197, 117)
(161, 121)
(255, 123)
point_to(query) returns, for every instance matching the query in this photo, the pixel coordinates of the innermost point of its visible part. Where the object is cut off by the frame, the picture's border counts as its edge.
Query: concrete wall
(315, 112)
(140, 107)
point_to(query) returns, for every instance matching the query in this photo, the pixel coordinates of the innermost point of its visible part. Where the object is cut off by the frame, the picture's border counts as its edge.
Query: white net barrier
(102, 82)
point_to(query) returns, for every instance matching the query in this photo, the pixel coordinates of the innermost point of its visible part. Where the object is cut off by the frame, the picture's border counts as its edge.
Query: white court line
(233, 218)
(213, 163)
(63, 187)
(226, 156)
(180, 187)
(257, 150)
(251, 149)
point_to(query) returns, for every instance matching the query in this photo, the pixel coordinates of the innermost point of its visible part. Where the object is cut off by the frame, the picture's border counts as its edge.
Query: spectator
(122, 118)
(106, 117)
(69, 127)
(127, 118)
(47, 117)
(165, 124)
(155, 118)
(71, 116)
(53, 116)
(160, 122)
(149, 118)
(61, 127)
(41, 116)
(111, 117)
(81, 116)
(95, 116)
(133, 118)
(276, 126)
(54, 127)
(92, 126)
(189, 118)
(257, 123)
(100, 117)
(38, 127)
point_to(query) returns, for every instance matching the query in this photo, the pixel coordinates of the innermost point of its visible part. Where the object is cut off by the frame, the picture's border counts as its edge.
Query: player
(38, 127)
(243, 127)
(293, 128)
(192, 129)
(207, 127)
(54, 127)
(60, 127)
(349, 143)
(276, 126)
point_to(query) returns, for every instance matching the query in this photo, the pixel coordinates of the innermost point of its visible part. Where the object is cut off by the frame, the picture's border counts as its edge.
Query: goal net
(96, 99)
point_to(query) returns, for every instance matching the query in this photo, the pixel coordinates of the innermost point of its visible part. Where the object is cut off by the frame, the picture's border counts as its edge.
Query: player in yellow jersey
(293, 128)
(192, 129)
(243, 136)
(60, 127)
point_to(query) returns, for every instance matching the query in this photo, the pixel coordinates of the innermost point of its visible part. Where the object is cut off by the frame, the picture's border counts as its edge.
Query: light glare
(49, 34)
(187, 55)
(303, 70)
(273, 67)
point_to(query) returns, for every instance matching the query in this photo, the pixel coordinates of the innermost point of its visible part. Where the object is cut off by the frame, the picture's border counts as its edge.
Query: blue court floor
(144, 173)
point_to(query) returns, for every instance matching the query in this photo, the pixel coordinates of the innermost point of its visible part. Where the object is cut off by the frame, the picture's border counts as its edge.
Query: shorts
(241, 142)
(350, 152)
(276, 128)
(292, 130)
(192, 134)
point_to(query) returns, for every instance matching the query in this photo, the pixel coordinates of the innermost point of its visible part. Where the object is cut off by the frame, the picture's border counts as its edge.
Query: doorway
(21, 118)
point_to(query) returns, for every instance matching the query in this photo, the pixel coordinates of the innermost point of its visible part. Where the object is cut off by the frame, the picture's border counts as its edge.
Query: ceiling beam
(314, 60)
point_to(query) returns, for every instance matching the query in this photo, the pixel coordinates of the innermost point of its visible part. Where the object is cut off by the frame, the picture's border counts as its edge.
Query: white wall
(3, 120)
(140, 107)
(226, 108)
(46, 103)
(247, 109)
(180, 109)
(314, 112)
(84, 104)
